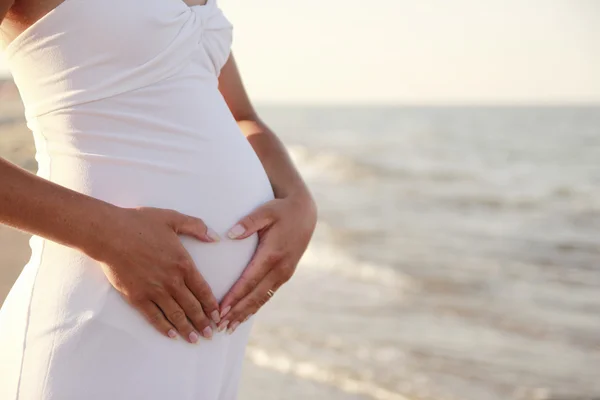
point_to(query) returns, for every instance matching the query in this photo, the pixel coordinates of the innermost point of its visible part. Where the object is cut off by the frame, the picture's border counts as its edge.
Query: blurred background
(454, 150)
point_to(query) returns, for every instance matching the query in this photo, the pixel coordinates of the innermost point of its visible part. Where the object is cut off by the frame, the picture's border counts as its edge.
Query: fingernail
(207, 332)
(225, 311)
(215, 316)
(212, 235)
(172, 334)
(223, 326)
(236, 231)
(194, 337)
(232, 328)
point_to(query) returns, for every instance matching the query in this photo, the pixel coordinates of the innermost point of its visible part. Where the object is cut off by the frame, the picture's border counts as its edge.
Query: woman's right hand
(146, 262)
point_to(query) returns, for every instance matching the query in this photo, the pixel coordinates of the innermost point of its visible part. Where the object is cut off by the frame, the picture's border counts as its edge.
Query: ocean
(457, 256)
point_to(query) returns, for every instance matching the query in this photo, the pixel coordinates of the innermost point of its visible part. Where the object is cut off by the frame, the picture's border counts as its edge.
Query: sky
(426, 51)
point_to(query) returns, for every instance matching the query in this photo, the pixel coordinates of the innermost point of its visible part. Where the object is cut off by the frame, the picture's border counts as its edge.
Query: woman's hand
(284, 228)
(146, 262)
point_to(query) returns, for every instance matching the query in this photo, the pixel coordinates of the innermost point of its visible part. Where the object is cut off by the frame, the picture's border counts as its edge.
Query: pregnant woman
(164, 212)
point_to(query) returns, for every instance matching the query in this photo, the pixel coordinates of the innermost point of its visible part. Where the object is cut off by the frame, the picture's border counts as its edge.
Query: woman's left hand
(284, 228)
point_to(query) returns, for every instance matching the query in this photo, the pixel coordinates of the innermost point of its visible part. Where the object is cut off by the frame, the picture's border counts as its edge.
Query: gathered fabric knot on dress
(216, 33)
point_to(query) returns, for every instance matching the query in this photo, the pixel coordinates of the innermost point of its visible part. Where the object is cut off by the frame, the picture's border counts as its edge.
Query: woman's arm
(40, 207)
(284, 225)
(138, 249)
(284, 177)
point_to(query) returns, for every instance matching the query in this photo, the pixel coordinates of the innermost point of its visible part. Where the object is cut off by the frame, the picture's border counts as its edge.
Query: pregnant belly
(72, 293)
(184, 153)
(72, 297)
(218, 191)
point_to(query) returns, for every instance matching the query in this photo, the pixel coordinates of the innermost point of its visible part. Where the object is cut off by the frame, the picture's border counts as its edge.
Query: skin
(139, 248)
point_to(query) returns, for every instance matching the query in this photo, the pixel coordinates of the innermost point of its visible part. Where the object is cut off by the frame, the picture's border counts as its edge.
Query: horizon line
(434, 103)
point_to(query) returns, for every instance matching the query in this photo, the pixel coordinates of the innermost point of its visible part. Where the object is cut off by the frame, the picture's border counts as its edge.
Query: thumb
(252, 223)
(191, 226)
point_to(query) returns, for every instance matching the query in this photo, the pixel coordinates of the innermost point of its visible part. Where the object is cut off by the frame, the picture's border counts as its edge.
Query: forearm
(275, 159)
(283, 176)
(40, 207)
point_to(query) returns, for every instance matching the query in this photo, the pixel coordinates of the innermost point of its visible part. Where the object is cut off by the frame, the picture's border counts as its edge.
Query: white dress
(122, 98)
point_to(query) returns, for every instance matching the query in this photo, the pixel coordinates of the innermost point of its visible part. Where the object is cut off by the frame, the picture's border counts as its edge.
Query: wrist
(102, 232)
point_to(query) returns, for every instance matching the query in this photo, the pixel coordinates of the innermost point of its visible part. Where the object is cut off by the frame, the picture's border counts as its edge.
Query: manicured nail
(207, 332)
(232, 328)
(212, 235)
(215, 316)
(172, 334)
(194, 337)
(223, 326)
(236, 231)
(225, 311)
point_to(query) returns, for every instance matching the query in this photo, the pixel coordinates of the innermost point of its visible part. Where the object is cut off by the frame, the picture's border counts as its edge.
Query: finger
(156, 317)
(177, 318)
(200, 289)
(263, 261)
(193, 310)
(258, 219)
(187, 225)
(251, 303)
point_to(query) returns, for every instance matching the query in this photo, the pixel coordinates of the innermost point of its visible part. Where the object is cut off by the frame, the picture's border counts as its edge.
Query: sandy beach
(16, 145)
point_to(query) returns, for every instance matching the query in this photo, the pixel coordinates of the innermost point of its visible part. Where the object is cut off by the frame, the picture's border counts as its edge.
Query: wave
(454, 184)
(312, 371)
(327, 258)
(331, 166)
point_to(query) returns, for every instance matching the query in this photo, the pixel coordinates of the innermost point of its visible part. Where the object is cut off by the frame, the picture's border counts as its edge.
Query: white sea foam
(309, 370)
(327, 258)
(326, 165)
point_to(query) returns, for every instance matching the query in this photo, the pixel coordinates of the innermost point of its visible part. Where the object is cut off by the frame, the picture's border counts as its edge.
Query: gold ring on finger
(270, 293)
